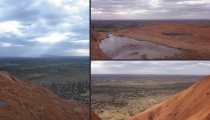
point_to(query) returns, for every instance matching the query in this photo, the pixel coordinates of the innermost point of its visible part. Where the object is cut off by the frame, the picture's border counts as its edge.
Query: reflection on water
(127, 48)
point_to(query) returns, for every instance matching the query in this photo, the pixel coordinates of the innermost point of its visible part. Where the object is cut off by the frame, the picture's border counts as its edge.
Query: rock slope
(27, 101)
(191, 104)
(96, 52)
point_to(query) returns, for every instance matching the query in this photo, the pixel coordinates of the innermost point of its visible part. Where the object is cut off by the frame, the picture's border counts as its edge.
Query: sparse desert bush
(177, 34)
(144, 56)
(131, 94)
(70, 90)
(118, 104)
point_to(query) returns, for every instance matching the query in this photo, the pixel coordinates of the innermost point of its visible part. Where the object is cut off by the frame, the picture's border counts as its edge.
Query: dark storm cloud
(151, 67)
(43, 26)
(150, 9)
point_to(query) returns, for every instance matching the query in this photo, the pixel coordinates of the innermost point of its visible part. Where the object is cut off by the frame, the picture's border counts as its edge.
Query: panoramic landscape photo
(44, 60)
(150, 29)
(150, 90)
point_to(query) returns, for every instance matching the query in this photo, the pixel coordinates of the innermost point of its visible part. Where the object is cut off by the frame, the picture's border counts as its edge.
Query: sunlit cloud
(11, 27)
(96, 65)
(53, 38)
(83, 52)
(5, 44)
(79, 52)
(81, 41)
(155, 3)
(56, 2)
(77, 17)
(193, 2)
(71, 8)
(19, 45)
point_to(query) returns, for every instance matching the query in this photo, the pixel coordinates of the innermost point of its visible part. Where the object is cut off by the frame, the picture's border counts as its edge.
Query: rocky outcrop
(191, 104)
(28, 101)
(96, 52)
(94, 116)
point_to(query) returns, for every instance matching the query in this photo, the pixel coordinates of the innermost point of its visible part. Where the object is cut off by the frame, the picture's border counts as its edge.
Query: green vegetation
(133, 93)
(66, 77)
(70, 90)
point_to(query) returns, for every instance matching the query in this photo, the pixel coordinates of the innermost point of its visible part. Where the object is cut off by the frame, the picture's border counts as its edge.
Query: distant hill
(191, 104)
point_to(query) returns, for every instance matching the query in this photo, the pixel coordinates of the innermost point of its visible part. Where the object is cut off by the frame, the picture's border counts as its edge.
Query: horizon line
(151, 19)
(146, 74)
(37, 56)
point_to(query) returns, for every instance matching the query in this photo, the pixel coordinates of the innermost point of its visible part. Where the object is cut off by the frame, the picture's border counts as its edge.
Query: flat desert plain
(119, 97)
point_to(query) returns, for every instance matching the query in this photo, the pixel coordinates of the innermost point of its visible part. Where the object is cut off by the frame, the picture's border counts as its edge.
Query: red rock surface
(192, 39)
(26, 101)
(191, 104)
(94, 116)
(96, 52)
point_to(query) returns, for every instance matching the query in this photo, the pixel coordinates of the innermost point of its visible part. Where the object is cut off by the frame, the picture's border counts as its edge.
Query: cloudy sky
(44, 27)
(150, 9)
(151, 67)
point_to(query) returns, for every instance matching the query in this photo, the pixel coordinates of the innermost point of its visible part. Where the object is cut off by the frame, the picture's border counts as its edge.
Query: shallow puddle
(127, 48)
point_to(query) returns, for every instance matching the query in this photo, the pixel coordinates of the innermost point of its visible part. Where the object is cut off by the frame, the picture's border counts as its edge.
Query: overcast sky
(44, 27)
(151, 67)
(150, 9)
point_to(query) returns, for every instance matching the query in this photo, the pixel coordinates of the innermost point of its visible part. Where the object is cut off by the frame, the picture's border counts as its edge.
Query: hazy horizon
(151, 67)
(44, 56)
(153, 19)
(155, 74)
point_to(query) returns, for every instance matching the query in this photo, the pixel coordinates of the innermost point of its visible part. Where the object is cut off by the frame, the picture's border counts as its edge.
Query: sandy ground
(192, 39)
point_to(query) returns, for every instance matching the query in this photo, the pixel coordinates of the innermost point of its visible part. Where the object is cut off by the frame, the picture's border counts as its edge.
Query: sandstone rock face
(96, 52)
(191, 104)
(94, 116)
(27, 101)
